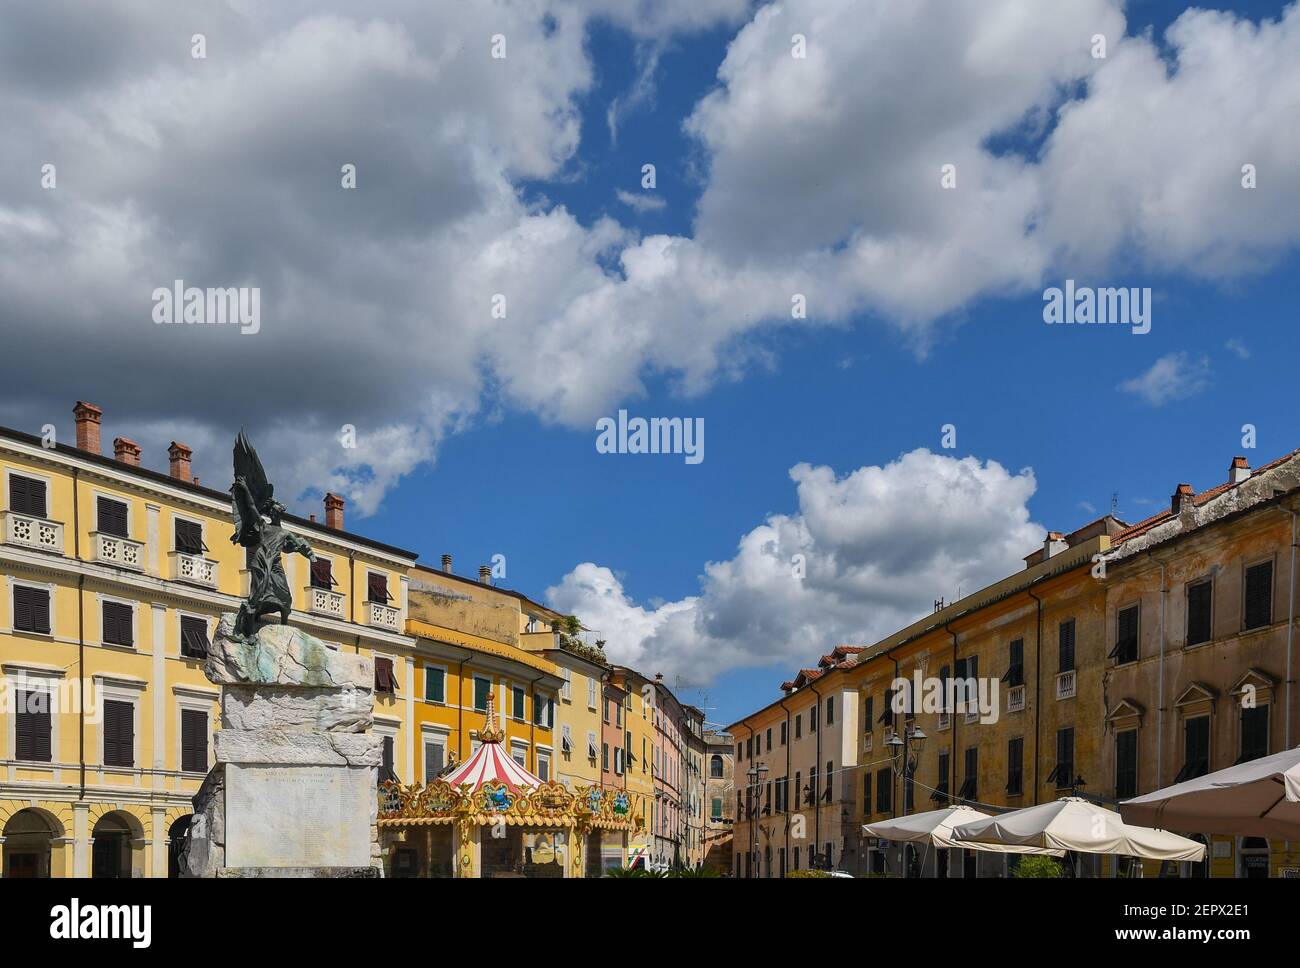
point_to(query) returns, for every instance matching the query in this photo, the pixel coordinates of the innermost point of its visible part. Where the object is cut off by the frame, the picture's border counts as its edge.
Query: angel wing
(247, 502)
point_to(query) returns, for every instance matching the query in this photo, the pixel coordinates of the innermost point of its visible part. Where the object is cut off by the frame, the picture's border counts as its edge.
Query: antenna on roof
(1114, 504)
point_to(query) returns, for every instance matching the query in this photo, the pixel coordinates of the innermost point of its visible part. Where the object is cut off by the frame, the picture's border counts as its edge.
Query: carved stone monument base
(293, 793)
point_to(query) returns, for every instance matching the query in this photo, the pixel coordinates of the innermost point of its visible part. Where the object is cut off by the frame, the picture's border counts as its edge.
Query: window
(31, 609)
(194, 741)
(785, 728)
(1015, 674)
(1196, 749)
(119, 733)
(566, 684)
(520, 755)
(517, 702)
(1065, 647)
(1063, 772)
(887, 716)
(715, 767)
(435, 684)
(798, 726)
(27, 496)
(591, 695)
(482, 689)
(869, 714)
(769, 739)
(1126, 638)
(604, 757)
(866, 791)
(189, 537)
(1258, 606)
(386, 771)
(119, 622)
(810, 797)
(543, 711)
(322, 573)
(618, 715)
(591, 745)
(830, 710)
(970, 782)
(435, 758)
(619, 761)
(1200, 595)
(194, 636)
(111, 517)
(1016, 766)
(716, 808)
(377, 587)
(812, 719)
(385, 678)
(33, 726)
(749, 747)
(884, 790)
(1254, 733)
(543, 765)
(940, 793)
(1126, 764)
(830, 779)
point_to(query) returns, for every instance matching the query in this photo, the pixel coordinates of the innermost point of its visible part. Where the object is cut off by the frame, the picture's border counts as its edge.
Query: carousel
(490, 817)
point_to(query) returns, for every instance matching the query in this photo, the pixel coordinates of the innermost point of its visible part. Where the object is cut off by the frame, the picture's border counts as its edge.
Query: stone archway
(28, 837)
(116, 839)
(176, 843)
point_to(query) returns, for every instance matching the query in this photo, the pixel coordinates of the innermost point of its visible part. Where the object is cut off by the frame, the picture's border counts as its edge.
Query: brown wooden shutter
(112, 517)
(377, 585)
(31, 609)
(385, 681)
(27, 496)
(1198, 612)
(1259, 595)
(119, 733)
(322, 575)
(32, 727)
(117, 624)
(194, 740)
(194, 637)
(189, 537)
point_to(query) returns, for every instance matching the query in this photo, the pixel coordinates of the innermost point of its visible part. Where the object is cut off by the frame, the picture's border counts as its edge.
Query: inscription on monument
(321, 830)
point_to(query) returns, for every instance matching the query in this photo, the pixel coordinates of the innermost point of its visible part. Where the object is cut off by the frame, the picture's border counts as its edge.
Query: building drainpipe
(817, 797)
(81, 633)
(789, 742)
(1290, 635)
(1160, 693)
(952, 758)
(1038, 683)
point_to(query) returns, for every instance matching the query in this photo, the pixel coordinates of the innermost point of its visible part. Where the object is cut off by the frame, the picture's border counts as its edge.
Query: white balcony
(194, 569)
(1065, 685)
(119, 552)
(384, 616)
(323, 601)
(33, 532)
(945, 720)
(1015, 699)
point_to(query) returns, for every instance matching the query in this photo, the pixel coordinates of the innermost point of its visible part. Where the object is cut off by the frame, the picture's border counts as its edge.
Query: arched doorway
(1252, 857)
(176, 843)
(27, 839)
(111, 845)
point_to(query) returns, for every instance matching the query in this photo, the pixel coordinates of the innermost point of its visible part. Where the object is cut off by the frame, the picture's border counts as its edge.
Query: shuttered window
(31, 609)
(1015, 674)
(516, 702)
(386, 771)
(194, 637)
(119, 733)
(1199, 597)
(940, 793)
(322, 573)
(1196, 749)
(385, 680)
(1126, 764)
(1015, 766)
(1259, 595)
(111, 517)
(118, 622)
(884, 790)
(1065, 649)
(27, 496)
(33, 726)
(189, 537)
(970, 782)
(194, 740)
(435, 685)
(377, 587)
(1254, 733)
(869, 716)
(866, 791)
(482, 688)
(1126, 637)
(1063, 773)
(435, 758)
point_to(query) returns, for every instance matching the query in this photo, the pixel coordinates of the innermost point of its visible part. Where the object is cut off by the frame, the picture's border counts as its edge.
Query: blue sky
(479, 176)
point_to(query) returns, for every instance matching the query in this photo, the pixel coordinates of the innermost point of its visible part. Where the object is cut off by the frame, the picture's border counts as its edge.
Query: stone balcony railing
(194, 569)
(1015, 699)
(110, 549)
(1065, 684)
(33, 532)
(324, 601)
(384, 616)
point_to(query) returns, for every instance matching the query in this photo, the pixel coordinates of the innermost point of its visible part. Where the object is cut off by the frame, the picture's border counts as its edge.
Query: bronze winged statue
(257, 527)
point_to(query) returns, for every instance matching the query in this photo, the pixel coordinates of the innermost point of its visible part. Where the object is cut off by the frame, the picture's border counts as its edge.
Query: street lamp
(905, 751)
(756, 775)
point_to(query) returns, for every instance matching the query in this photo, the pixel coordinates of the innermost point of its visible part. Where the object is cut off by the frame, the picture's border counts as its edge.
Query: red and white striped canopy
(491, 764)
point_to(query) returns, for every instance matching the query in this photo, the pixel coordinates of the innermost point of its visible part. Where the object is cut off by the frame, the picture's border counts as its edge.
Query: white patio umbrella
(934, 827)
(1260, 798)
(1073, 823)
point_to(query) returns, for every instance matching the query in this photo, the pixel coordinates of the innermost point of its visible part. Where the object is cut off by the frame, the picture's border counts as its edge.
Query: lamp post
(756, 775)
(905, 752)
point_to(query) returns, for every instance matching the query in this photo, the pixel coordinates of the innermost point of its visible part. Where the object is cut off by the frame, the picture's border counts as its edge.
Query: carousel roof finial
(491, 733)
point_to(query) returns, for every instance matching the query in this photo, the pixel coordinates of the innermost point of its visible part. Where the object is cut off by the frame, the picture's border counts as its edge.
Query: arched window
(715, 767)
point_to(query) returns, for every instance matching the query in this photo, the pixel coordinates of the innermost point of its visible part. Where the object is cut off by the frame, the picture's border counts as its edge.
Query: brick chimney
(1182, 498)
(1239, 471)
(179, 455)
(126, 450)
(485, 574)
(446, 564)
(334, 511)
(88, 416)
(1054, 544)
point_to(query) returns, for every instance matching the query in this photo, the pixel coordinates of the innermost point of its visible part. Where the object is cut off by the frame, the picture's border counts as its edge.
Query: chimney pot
(179, 456)
(1239, 471)
(88, 418)
(126, 450)
(311, 518)
(334, 511)
(1053, 544)
(1181, 498)
(446, 563)
(485, 574)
